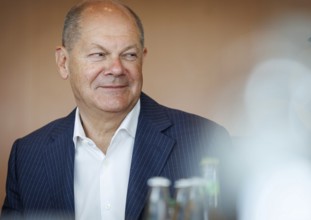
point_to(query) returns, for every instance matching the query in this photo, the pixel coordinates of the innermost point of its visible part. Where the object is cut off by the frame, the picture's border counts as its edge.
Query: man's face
(105, 63)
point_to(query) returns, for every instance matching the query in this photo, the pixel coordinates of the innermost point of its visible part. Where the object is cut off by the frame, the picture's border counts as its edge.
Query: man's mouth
(112, 87)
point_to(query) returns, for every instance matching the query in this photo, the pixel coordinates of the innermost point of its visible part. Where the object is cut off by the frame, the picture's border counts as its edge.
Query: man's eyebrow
(95, 45)
(134, 46)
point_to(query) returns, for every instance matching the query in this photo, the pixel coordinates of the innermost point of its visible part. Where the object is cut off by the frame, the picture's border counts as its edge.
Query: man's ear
(145, 51)
(61, 56)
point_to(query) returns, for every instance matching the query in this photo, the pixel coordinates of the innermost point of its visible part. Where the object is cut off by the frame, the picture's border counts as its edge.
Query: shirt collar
(129, 124)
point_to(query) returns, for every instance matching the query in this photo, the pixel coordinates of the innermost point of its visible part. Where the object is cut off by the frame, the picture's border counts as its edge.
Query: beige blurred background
(201, 55)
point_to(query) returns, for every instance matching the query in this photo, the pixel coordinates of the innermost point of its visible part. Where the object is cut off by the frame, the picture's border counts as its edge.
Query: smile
(112, 87)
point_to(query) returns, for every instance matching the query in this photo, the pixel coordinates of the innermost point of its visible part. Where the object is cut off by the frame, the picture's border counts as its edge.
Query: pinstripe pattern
(40, 175)
(168, 143)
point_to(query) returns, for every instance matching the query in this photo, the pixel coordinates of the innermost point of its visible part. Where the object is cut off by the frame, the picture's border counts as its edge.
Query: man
(95, 163)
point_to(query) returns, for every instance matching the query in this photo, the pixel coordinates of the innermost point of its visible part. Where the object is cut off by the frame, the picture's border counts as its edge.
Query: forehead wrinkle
(95, 33)
(109, 25)
(96, 45)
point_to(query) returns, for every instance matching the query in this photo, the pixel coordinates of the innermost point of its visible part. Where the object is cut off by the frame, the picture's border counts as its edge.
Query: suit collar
(151, 150)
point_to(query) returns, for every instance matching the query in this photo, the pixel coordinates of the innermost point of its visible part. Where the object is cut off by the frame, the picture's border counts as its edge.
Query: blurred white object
(283, 192)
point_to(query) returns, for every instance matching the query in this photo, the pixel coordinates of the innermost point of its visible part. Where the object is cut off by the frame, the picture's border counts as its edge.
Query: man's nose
(116, 67)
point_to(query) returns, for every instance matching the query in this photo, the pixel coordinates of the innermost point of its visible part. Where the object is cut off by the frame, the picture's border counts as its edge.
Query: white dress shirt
(101, 181)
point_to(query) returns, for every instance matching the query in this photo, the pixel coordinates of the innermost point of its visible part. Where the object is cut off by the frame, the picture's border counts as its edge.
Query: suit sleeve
(12, 207)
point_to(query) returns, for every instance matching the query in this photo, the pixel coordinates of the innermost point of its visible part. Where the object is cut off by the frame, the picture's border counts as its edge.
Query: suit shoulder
(48, 130)
(179, 116)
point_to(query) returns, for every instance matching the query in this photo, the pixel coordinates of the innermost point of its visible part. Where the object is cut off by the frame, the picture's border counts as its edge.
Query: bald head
(74, 18)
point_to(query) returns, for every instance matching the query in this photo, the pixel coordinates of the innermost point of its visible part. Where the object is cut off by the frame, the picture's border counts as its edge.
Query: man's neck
(101, 128)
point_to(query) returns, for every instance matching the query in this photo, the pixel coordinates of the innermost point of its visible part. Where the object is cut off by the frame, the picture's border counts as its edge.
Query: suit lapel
(151, 150)
(59, 164)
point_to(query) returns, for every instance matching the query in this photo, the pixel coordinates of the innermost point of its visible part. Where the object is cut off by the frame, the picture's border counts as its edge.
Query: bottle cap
(159, 182)
(182, 183)
(210, 161)
(197, 181)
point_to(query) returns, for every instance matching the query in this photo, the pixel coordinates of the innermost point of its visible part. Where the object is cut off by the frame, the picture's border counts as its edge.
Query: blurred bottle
(210, 173)
(189, 199)
(158, 199)
(197, 199)
(181, 210)
(211, 177)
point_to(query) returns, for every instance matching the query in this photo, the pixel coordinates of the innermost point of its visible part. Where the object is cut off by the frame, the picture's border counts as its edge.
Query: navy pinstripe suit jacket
(168, 143)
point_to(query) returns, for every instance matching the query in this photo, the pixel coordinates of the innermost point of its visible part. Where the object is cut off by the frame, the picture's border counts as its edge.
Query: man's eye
(97, 55)
(130, 56)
